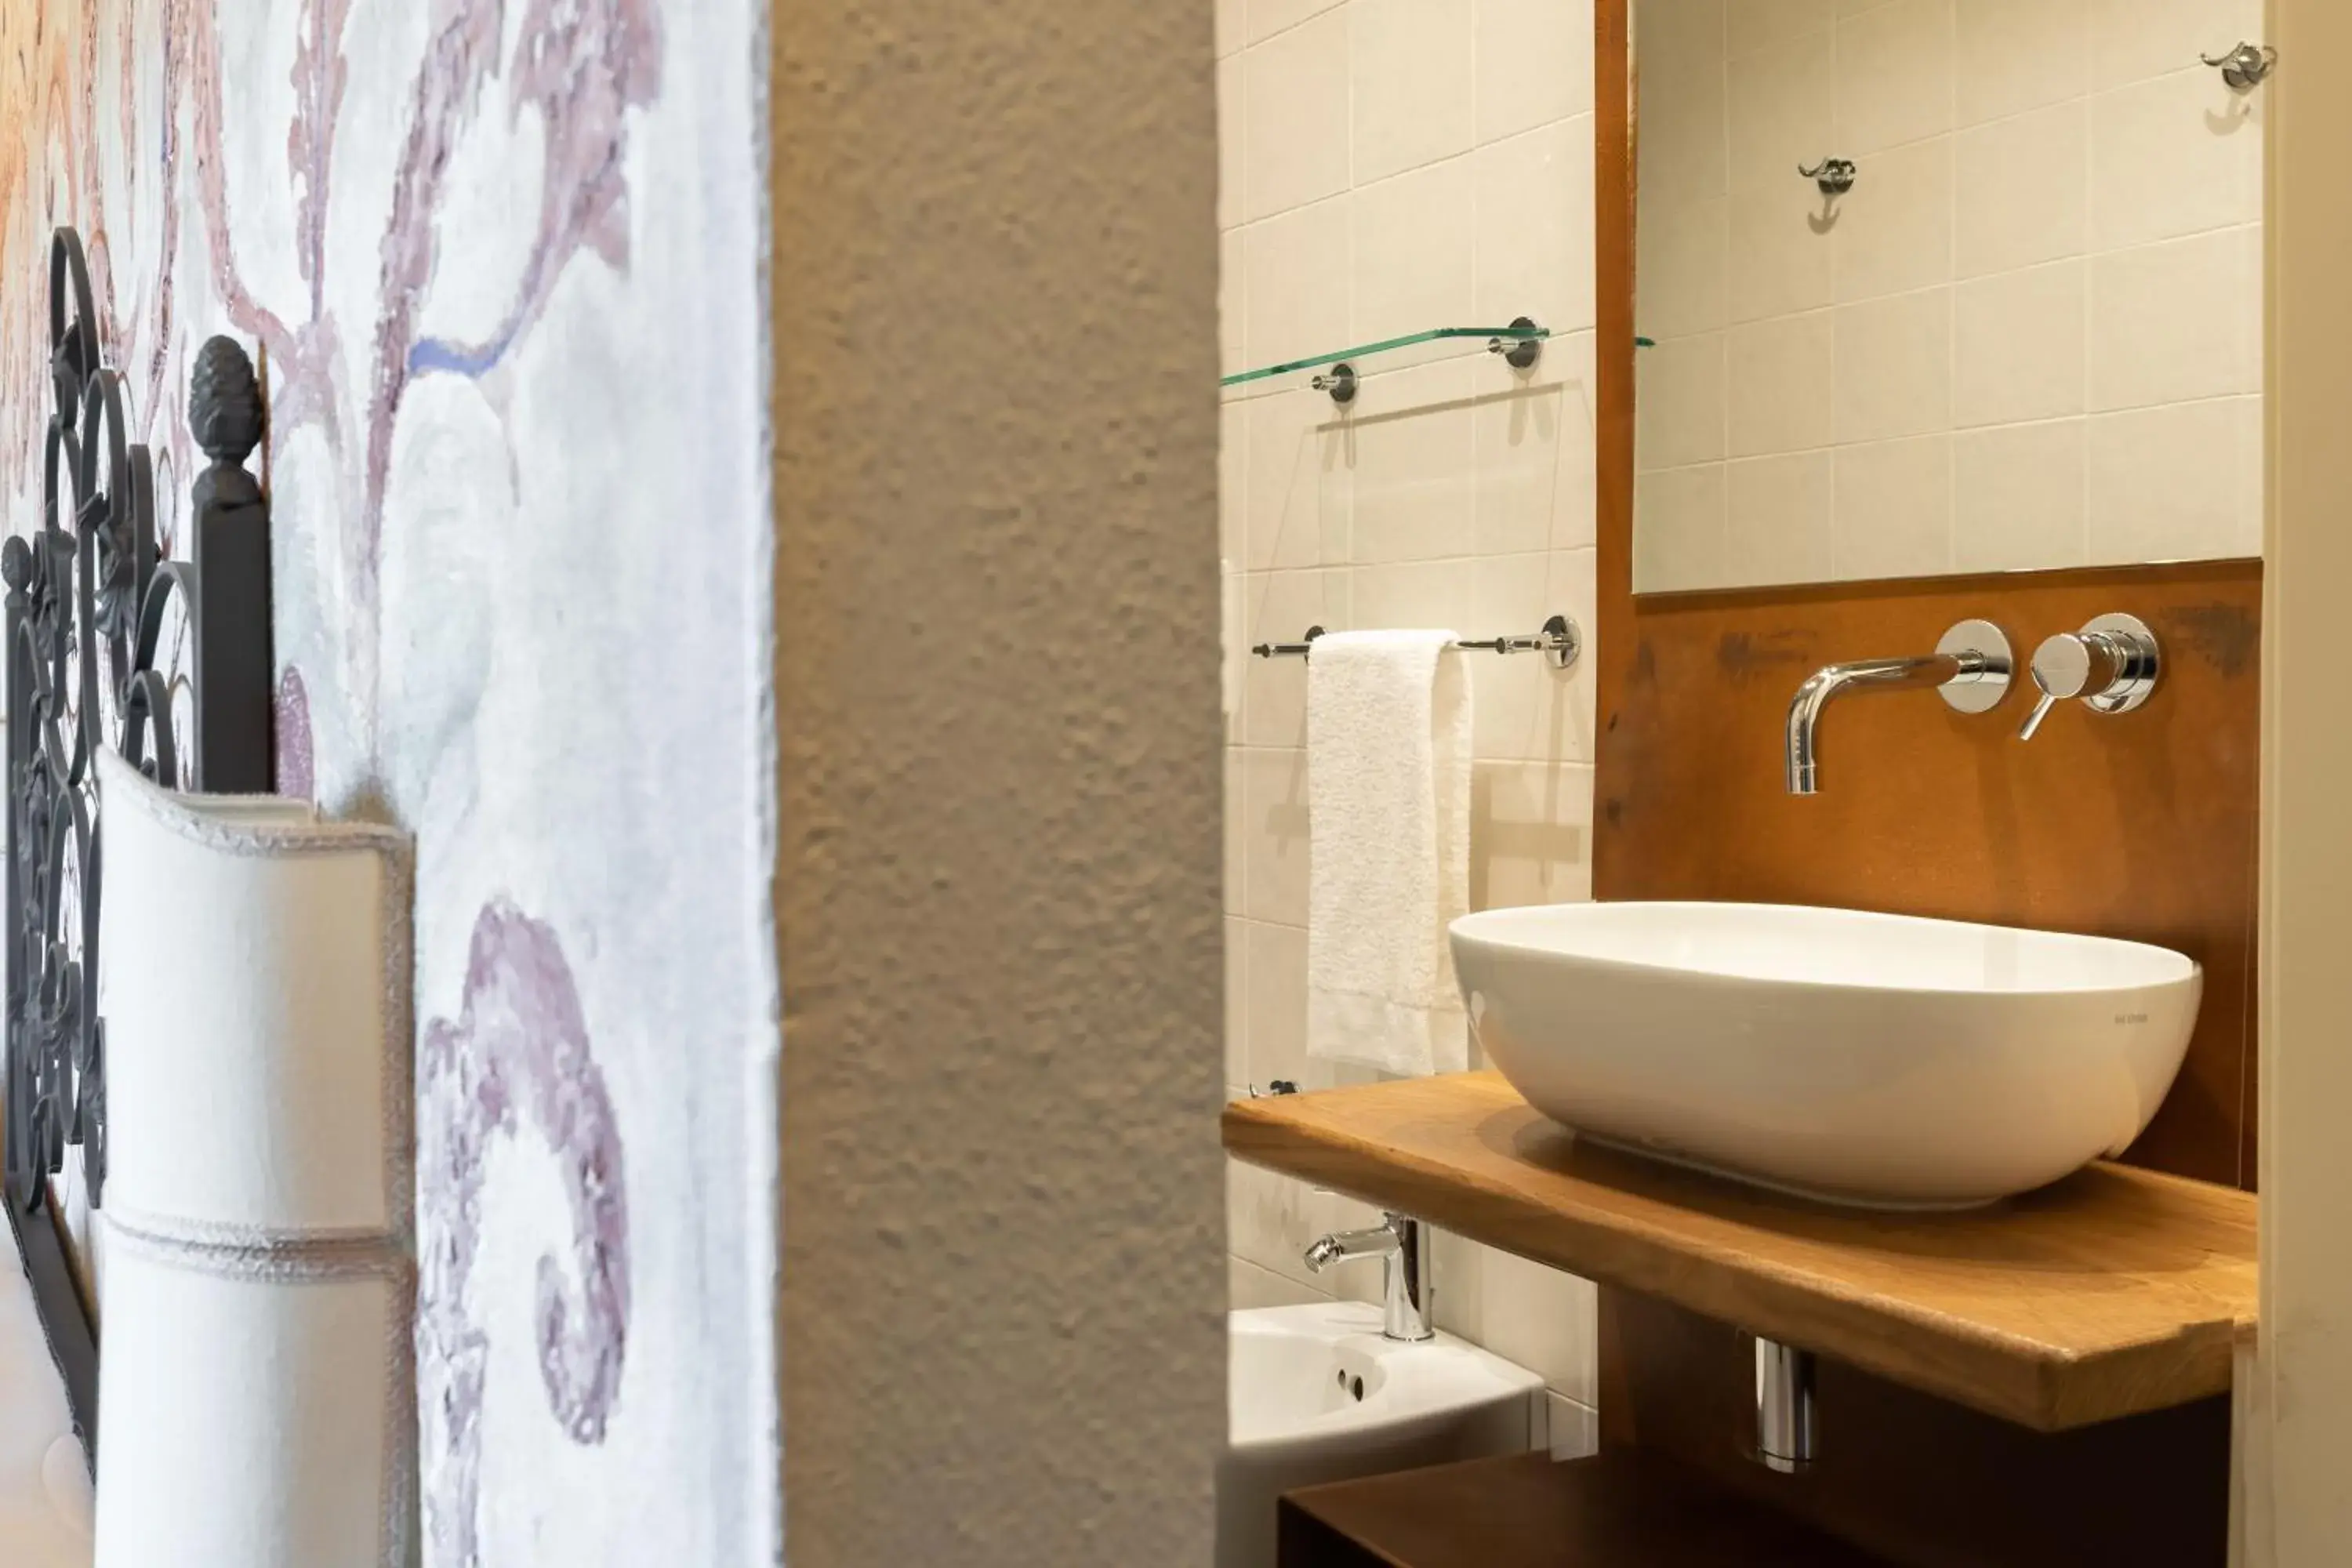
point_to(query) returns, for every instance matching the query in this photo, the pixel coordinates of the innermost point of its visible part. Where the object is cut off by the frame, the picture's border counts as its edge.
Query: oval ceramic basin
(1862, 1058)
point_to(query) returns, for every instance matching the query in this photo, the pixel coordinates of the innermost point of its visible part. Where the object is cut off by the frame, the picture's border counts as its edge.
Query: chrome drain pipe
(1787, 1436)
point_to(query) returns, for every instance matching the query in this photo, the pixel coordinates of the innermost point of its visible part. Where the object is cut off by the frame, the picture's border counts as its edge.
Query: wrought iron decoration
(167, 660)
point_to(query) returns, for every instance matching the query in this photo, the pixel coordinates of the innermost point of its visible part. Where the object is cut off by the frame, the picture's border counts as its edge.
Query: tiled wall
(2029, 337)
(1391, 165)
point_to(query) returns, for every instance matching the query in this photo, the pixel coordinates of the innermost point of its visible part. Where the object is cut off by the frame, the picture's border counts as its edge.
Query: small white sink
(1316, 1394)
(1869, 1059)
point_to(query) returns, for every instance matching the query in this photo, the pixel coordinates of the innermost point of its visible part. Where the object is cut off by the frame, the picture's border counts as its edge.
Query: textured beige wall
(995, 335)
(2295, 1415)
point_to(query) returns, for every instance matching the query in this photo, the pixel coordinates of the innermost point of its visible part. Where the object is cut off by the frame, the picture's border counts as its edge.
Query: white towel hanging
(1388, 757)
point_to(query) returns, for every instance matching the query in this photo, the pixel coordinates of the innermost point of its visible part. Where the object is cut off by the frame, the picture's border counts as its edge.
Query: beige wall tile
(1893, 510)
(1295, 512)
(1232, 643)
(1233, 483)
(1273, 836)
(1782, 261)
(2018, 345)
(1232, 138)
(1413, 594)
(1778, 394)
(1279, 607)
(1270, 1219)
(2177, 321)
(1455, 1279)
(1415, 83)
(1684, 146)
(2132, 40)
(1295, 283)
(1237, 1001)
(1413, 445)
(1530, 833)
(1685, 275)
(1758, 23)
(1536, 453)
(1231, 27)
(1535, 227)
(1236, 833)
(1295, 111)
(2022, 190)
(1524, 708)
(2167, 484)
(2018, 498)
(2177, 155)
(1268, 17)
(1414, 256)
(1277, 1004)
(1249, 1286)
(1683, 35)
(1545, 1321)
(1895, 233)
(1574, 1430)
(2010, 56)
(1895, 75)
(1783, 114)
(1680, 404)
(1233, 318)
(1678, 530)
(1894, 365)
(1776, 517)
(1535, 64)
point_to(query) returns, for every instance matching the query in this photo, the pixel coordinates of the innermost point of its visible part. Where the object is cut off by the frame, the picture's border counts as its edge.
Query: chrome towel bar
(1560, 642)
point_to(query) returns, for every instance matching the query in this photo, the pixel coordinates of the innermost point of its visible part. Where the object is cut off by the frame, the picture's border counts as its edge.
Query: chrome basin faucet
(1972, 667)
(1402, 1244)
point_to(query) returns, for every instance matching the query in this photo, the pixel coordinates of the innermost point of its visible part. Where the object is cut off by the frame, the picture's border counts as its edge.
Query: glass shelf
(1517, 342)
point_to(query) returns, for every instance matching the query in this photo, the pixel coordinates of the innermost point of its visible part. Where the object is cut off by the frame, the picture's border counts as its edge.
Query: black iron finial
(224, 402)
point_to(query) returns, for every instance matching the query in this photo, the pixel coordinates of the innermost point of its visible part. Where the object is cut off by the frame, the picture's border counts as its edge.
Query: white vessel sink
(1869, 1059)
(1316, 1394)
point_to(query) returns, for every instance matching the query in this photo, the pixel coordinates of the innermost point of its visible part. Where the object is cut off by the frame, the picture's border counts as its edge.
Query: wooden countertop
(2115, 1291)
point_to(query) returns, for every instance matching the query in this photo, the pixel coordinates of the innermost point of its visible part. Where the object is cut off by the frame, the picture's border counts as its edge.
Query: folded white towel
(1388, 762)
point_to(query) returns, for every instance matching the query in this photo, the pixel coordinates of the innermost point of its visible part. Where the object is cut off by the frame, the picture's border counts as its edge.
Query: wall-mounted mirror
(1944, 286)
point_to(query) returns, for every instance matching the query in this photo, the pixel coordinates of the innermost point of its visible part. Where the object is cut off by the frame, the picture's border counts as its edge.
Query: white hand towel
(1388, 764)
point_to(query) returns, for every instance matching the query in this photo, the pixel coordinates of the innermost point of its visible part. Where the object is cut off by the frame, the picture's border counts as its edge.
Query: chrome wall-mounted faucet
(1970, 669)
(2112, 663)
(1402, 1244)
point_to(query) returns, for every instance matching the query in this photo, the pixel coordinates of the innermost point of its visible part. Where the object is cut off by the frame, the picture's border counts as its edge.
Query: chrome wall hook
(1835, 175)
(1519, 353)
(1341, 383)
(2245, 67)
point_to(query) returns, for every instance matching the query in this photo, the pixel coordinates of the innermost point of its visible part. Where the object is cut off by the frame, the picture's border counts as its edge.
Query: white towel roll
(1388, 762)
(256, 1383)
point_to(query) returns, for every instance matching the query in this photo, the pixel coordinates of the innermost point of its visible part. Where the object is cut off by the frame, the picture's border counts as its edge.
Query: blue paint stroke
(430, 354)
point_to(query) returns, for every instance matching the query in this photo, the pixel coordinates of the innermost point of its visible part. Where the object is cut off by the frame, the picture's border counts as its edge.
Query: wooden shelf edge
(1618, 1509)
(2043, 1385)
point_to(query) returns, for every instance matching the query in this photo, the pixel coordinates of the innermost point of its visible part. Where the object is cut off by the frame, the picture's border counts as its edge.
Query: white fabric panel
(255, 1388)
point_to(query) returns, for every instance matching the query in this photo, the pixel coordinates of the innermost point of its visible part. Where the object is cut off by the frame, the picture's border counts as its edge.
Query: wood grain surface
(1922, 1482)
(2115, 1291)
(1626, 1510)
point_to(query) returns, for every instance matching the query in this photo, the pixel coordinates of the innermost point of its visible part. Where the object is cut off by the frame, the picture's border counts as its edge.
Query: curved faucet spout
(1971, 669)
(1826, 685)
